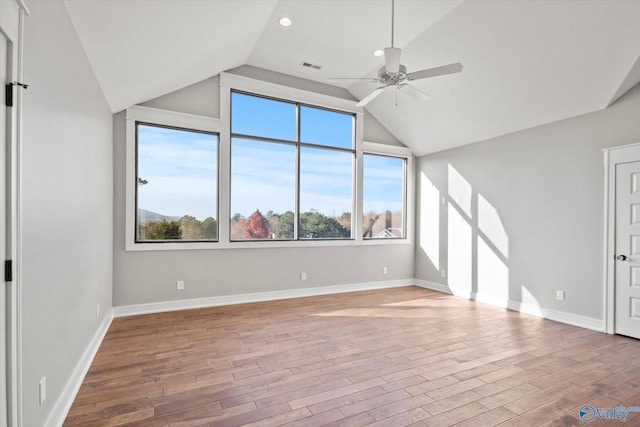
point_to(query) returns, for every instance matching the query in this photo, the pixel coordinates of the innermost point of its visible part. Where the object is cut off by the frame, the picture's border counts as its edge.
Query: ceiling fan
(395, 74)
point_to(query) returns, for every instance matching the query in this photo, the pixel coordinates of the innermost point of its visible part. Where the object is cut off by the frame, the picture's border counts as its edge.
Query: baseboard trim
(558, 316)
(433, 286)
(63, 405)
(546, 313)
(164, 306)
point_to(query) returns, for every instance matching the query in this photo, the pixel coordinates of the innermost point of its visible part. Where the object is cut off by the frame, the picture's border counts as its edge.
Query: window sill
(150, 247)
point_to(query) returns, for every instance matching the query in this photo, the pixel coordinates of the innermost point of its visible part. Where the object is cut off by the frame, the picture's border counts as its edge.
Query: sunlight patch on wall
(533, 307)
(459, 253)
(490, 224)
(460, 191)
(493, 274)
(430, 220)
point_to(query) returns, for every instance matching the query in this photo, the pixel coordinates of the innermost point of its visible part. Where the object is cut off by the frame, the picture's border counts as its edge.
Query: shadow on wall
(476, 242)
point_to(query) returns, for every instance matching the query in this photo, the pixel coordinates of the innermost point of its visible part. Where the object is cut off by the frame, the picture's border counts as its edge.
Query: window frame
(137, 187)
(405, 194)
(299, 145)
(222, 126)
(168, 119)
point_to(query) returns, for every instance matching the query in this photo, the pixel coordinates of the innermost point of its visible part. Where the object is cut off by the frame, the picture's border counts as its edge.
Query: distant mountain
(145, 216)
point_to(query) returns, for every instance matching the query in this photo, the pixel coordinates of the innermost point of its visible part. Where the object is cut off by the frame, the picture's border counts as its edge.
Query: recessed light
(285, 21)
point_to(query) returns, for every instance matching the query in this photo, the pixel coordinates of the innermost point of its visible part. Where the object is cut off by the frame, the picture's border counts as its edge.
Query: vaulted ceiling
(526, 63)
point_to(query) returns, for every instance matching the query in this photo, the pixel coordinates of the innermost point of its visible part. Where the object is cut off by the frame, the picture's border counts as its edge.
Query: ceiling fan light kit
(393, 73)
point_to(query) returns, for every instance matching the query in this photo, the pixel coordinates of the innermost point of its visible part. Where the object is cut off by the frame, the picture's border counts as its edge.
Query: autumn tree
(257, 227)
(238, 226)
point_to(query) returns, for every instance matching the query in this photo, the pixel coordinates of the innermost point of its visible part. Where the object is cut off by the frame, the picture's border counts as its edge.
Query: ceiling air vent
(310, 65)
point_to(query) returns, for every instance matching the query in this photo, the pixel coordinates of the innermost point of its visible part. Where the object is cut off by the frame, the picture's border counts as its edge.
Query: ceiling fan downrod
(392, 20)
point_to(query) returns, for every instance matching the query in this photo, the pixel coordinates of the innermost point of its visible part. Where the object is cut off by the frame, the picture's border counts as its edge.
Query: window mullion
(404, 198)
(296, 214)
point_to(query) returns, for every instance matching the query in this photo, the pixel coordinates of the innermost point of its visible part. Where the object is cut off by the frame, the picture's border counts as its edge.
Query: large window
(292, 170)
(281, 167)
(177, 184)
(384, 182)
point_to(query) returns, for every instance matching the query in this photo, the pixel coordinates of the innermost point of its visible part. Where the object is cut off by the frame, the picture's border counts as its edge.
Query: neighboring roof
(389, 233)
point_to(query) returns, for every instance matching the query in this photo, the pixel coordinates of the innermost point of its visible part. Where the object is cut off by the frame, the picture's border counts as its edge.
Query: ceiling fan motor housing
(389, 78)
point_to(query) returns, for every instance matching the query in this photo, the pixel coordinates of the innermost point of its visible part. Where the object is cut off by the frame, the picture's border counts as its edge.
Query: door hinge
(8, 92)
(8, 95)
(8, 270)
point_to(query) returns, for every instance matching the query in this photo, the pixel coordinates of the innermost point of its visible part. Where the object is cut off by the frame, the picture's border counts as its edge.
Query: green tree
(164, 230)
(345, 220)
(315, 225)
(209, 229)
(285, 226)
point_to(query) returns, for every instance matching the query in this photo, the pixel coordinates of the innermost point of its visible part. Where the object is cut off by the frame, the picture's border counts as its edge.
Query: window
(263, 182)
(292, 170)
(384, 182)
(282, 167)
(176, 184)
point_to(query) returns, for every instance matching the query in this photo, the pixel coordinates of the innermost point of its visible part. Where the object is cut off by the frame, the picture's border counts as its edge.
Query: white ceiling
(526, 63)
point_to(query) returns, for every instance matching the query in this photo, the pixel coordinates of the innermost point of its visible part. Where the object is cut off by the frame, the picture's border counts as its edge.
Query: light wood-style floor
(395, 357)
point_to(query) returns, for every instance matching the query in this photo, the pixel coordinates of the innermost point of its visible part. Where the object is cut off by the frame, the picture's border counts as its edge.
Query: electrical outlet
(180, 285)
(97, 311)
(444, 200)
(560, 295)
(443, 273)
(303, 276)
(42, 390)
(385, 270)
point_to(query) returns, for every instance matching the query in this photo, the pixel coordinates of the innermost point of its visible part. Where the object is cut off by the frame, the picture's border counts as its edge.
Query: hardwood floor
(395, 357)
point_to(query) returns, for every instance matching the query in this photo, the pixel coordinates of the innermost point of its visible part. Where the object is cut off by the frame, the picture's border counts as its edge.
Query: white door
(627, 269)
(4, 309)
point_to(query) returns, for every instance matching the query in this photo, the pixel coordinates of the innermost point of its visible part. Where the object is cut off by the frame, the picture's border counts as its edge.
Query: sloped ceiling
(526, 63)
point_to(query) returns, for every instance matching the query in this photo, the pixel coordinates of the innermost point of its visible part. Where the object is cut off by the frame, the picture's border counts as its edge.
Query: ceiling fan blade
(370, 97)
(436, 71)
(352, 79)
(414, 93)
(392, 59)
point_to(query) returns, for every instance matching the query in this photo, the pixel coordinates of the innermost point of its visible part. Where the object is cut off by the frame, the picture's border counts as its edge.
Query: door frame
(612, 157)
(12, 27)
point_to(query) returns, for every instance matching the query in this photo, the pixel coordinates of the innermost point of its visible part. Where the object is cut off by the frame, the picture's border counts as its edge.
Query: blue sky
(181, 166)
(181, 170)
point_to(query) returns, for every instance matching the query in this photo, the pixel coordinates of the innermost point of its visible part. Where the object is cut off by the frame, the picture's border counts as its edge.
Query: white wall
(67, 206)
(535, 211)
(146, 277)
